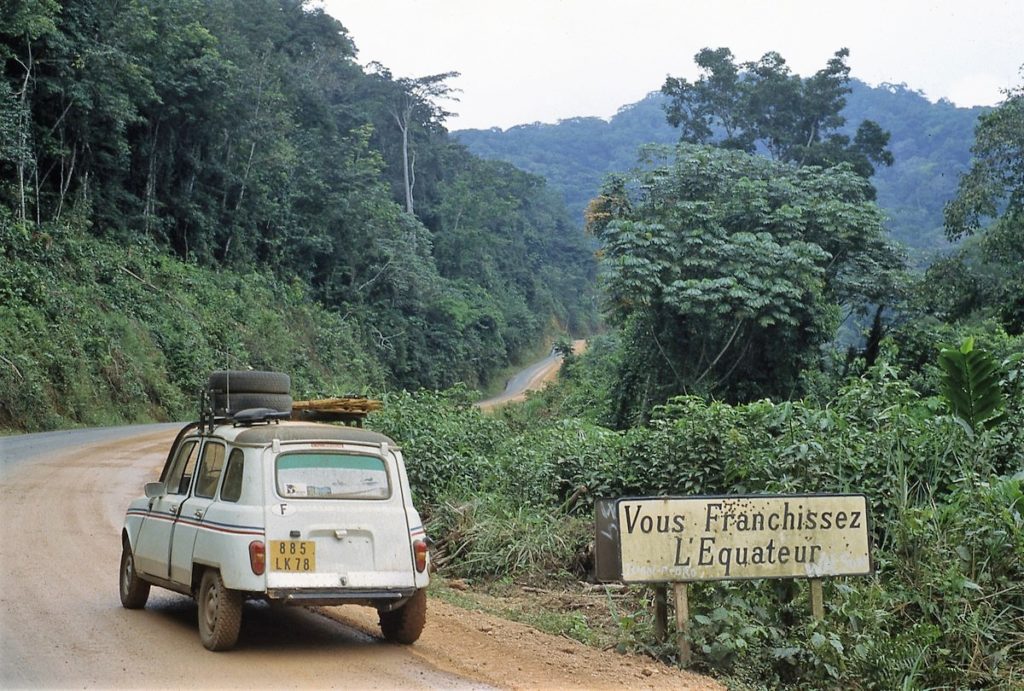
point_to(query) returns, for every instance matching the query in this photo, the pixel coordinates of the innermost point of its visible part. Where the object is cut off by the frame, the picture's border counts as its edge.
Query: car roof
(299, 431)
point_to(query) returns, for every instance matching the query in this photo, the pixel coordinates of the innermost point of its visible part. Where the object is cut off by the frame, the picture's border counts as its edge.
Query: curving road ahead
(532, 378)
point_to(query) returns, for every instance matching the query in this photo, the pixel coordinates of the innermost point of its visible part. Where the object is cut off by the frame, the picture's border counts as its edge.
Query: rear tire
(405, 624)
(220, 613)
(246, 381)
(224, 403)
(134, 590)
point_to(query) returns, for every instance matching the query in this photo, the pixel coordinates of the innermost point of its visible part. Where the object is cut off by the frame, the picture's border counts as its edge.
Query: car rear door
(338, 519)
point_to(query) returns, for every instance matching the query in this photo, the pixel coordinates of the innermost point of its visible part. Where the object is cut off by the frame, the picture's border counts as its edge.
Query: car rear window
(332, 475)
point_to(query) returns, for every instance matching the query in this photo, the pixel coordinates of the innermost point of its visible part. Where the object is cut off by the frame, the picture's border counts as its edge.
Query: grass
(567, 612)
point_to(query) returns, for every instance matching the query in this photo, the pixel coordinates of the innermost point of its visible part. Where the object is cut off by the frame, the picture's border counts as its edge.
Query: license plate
(292, 555)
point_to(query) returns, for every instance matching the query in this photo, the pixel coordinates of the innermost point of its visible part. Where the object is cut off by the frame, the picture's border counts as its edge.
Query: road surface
(62, 499)
(533, 378)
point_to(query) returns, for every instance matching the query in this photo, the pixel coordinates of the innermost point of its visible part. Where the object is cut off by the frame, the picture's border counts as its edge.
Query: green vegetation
(930, 144)
(253, 185)
(764, 105)
(511, 497)
(189, 185)
(931, 434)
(727, 272)
(95, 333)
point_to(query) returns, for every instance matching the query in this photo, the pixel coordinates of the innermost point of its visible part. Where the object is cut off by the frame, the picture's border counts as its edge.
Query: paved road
(22, 447)
(530, 379)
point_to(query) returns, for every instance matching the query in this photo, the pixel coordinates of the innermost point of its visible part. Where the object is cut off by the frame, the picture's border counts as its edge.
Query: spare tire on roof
(249, 381)
(225, 404)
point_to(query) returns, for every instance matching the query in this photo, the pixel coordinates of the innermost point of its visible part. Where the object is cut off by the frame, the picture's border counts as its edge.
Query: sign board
(677, 539)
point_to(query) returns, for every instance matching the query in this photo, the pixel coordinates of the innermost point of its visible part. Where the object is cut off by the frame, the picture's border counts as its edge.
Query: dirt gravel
(62, 625)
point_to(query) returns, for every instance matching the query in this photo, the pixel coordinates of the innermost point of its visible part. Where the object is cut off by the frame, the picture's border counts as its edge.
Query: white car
(300, 513)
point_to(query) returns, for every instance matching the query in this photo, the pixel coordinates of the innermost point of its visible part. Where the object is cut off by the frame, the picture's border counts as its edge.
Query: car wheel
(134, 590)
(245, 381)
(220, 613)
(405, 624)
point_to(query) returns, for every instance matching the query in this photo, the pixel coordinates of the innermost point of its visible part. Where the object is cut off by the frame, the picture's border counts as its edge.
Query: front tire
(405, 624)
(134, 590)
(220, 613)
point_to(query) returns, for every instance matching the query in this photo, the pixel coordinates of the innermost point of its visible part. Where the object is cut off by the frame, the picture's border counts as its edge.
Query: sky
(545, 60)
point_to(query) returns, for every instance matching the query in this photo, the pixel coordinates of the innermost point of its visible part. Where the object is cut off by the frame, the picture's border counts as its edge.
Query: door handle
(198, 513)
(173, 510)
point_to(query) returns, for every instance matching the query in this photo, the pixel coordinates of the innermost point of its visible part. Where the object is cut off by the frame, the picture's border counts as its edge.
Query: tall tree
(763, 104)
(990, 204)
(413, 102)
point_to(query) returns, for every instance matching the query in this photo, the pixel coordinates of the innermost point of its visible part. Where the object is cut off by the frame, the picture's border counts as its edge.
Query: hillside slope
(930, 141)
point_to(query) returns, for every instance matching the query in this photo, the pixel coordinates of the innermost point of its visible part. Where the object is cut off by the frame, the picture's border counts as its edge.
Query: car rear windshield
(332, 475)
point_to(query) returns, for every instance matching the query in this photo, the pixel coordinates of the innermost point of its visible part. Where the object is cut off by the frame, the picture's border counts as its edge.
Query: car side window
(231, 490)
(180, 475)
(210, 470)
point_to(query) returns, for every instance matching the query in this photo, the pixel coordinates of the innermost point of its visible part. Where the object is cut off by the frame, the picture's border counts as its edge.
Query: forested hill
(188, 185)
(930, 142)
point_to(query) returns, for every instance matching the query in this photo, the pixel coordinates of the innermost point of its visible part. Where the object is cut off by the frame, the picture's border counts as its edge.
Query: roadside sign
(685, 539)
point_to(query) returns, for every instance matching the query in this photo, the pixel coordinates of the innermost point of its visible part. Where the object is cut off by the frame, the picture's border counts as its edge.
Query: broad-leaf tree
(764, 106)
(411, 104)
(245, 136)
(728, 271)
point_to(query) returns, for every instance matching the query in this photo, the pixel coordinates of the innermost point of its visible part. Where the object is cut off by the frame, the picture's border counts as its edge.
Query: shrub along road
(61, 510)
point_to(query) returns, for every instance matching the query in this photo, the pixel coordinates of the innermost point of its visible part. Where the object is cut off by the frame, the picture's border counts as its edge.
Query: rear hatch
(339, 520)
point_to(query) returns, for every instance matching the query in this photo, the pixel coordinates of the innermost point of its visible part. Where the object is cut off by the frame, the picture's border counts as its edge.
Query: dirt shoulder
(512, 655)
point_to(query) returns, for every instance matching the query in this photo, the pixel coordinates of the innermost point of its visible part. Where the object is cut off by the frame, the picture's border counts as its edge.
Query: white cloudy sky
(544, 60)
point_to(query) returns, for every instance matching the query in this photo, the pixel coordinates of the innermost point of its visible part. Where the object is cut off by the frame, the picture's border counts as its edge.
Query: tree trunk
(405, 168)
(149, 207)
(26, 122)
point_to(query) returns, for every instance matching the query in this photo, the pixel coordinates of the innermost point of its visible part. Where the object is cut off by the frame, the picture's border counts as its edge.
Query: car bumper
(387, 598)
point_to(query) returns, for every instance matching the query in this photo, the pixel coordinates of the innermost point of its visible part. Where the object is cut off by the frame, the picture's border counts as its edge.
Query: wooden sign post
(681, 540)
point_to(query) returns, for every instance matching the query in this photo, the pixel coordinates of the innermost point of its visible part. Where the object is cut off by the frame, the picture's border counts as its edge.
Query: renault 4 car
(251, 505)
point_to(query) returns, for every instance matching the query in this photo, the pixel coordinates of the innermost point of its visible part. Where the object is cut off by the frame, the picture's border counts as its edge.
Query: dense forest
(726, 269)
(188, 185)
(930, 143)
(178, 179)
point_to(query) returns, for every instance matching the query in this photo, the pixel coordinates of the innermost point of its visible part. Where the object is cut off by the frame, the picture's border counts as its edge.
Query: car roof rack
(349, 410)
(252, 416)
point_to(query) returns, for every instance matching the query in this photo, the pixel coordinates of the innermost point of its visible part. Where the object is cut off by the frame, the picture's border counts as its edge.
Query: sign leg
(817, 599)
(683, 623)
(660, 613)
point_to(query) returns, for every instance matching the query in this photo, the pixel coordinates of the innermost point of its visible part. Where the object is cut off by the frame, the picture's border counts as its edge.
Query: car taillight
(419, 550)
(258, 557)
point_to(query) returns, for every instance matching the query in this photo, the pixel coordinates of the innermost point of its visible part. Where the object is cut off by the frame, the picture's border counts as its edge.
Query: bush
(507, 497)
(96, 333)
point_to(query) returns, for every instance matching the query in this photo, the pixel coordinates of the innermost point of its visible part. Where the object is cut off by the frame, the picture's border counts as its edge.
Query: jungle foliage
(928, 427)
(190, 185)
(729, 271)
(243, 139)
(512, 497)
(763, 105)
